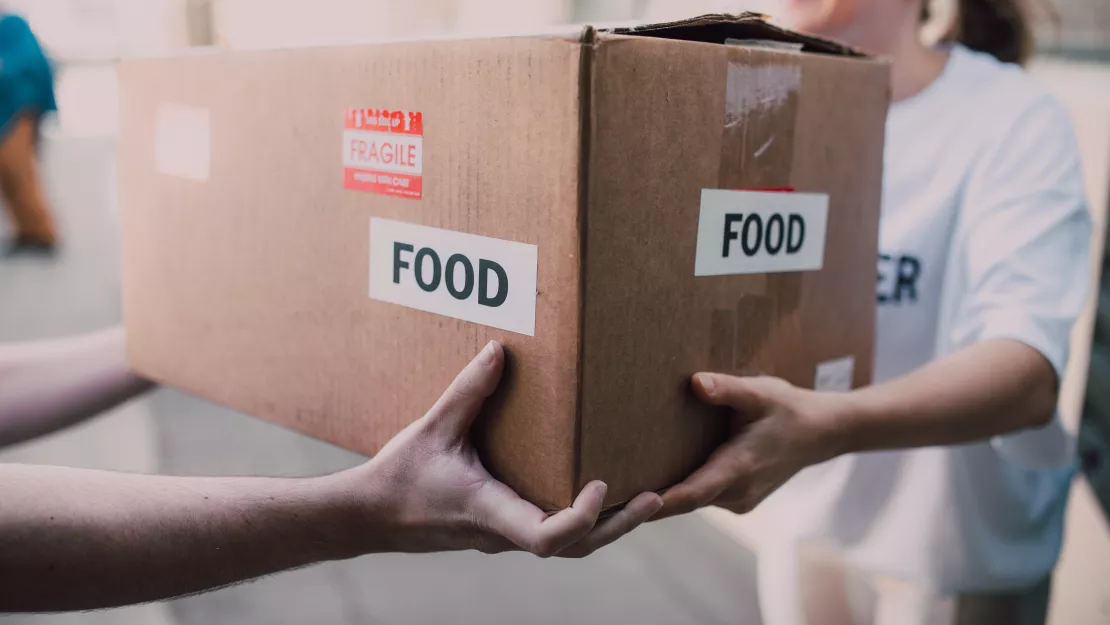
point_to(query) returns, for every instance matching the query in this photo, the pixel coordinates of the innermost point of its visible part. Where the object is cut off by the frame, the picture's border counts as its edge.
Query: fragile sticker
(383, 151)
(456, 274)
(741, 232)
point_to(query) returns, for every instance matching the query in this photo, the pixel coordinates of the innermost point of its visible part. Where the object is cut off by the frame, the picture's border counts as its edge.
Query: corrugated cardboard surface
(672, 118)
(251, 288)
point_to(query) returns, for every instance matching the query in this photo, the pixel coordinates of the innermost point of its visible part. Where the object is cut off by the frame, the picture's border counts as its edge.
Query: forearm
(73, 539)
(988, 389)
(53, 384)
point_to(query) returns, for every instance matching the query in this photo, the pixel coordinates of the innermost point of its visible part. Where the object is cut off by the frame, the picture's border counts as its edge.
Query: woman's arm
(1020, 277)
(73, 539)
(49, 385)
(989, 389)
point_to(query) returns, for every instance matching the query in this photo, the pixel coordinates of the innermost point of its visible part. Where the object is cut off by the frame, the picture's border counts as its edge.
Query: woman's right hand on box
(428, 491)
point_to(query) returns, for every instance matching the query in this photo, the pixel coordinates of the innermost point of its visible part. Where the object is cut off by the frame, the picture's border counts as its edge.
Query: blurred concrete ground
(677, 571)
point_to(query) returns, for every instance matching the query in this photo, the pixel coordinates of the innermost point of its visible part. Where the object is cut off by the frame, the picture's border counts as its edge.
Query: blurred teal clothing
(26, 75)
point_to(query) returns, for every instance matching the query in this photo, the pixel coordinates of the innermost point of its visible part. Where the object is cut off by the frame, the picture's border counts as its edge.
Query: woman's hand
(777, 430)
(991, 388)
(428, 491)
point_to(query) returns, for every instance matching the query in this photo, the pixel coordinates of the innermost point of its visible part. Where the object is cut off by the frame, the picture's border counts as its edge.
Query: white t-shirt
(984, 234)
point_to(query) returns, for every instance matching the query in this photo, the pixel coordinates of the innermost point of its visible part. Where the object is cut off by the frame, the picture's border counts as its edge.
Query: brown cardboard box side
(672, 118)
(250, 287)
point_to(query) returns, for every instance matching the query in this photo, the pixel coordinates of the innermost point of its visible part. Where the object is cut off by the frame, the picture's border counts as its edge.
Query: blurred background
(697, 569)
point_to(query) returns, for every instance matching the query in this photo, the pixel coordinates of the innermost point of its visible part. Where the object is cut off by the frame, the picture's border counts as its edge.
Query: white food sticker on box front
(465, 276)
(835, 376)
(760, 232)
(182, 142)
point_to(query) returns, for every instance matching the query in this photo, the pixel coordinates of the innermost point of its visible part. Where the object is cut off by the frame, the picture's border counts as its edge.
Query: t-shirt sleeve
(1026, 233)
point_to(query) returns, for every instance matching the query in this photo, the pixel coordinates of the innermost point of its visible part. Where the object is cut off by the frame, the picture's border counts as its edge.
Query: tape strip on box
(742, 338)
(754, 223)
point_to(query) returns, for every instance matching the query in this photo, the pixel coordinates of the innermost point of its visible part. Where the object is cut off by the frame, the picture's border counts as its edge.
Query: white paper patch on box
(743, 232)
(465, 276)
(835, 376)
(183, 142)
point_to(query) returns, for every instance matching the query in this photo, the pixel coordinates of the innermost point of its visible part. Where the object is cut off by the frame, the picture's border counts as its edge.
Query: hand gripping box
(323, 237)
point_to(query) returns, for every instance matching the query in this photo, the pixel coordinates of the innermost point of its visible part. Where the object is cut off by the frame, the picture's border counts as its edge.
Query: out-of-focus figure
(26, 95)
(943, 486)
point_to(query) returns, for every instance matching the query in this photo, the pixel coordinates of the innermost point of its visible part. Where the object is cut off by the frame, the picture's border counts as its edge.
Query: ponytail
(998, 27)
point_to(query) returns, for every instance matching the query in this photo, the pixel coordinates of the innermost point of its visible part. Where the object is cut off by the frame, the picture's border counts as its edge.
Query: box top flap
(719, 27)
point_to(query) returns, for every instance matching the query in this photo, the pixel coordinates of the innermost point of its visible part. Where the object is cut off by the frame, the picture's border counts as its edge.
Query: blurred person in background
(947, 478)
(79, 539)
(26, 94)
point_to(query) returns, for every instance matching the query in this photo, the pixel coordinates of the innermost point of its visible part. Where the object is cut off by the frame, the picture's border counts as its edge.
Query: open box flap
(719, 27)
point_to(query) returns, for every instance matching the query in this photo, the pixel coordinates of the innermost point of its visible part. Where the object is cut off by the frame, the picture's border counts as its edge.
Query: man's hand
(777, 430)
(75, 539)
(428, 491)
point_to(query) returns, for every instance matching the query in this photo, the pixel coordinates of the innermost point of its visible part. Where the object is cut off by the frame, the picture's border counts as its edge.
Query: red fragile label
(383, 151)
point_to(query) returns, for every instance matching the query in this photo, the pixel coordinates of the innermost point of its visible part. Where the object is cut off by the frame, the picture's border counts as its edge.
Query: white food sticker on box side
(183, 142)
(465, 276)
(760, 232)
(835, 376)
(383, 151)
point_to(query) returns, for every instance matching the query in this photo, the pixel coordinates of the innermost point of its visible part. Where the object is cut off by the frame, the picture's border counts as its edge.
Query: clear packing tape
(757, 153)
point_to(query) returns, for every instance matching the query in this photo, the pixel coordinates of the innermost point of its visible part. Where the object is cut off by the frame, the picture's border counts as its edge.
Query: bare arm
(73, 539)
(990, 388)
(49, 385)
(987, 389)
(1020, 251)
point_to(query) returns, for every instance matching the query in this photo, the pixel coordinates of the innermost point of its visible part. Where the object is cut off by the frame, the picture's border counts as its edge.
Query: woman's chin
(820, 17)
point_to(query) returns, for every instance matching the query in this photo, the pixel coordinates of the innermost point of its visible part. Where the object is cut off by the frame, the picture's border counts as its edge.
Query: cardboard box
(324, 237)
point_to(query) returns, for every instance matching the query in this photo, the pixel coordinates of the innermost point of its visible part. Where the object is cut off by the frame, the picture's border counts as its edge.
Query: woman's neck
(914, 66)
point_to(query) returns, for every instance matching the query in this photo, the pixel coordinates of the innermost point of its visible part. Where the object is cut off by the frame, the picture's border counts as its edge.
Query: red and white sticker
(383, 151)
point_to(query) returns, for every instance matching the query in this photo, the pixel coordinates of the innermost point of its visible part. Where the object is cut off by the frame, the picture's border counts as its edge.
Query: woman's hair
(998, 27)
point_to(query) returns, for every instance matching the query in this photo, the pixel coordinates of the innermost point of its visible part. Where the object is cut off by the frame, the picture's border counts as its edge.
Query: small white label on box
(182, 142)
(835, 376)
(760, 232)
(465, 276)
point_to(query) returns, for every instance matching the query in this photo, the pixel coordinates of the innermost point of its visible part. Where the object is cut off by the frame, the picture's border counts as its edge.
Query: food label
(465, 276)
(743, 232)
